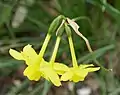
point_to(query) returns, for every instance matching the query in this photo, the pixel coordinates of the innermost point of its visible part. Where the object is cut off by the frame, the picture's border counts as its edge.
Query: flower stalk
(58, 34)
(74, 60)
(44, 46)
(68, 32)
(55, 50)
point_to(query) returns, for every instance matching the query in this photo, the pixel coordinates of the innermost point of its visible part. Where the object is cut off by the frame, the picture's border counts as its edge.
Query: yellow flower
(51, 70)
(32, 59)
(76, 73)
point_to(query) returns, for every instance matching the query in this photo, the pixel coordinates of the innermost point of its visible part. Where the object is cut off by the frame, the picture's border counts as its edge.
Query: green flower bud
(67, 29)
(55, 24)
(60, 32)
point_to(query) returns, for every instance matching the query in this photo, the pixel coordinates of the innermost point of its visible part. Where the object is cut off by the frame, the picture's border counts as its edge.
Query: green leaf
(108, 8)
(47, 86)
(55, 24)
(117, 4)
(96, 54)
(15, 90)
(5, 12)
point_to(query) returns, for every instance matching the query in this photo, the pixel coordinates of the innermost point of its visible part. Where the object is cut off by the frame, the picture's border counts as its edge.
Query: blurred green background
(25, 22)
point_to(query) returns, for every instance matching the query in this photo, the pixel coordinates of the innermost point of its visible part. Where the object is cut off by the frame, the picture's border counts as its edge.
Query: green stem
(74, 61)
(42, 51)
(55, 50)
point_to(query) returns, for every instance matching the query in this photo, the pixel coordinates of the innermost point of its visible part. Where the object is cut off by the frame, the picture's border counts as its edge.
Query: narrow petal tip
(15, 54)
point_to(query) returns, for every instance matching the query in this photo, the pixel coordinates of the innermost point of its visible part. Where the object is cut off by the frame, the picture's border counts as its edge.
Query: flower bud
(55, 24)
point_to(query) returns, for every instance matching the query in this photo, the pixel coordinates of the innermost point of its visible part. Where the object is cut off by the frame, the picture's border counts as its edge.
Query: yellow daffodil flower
(29, 56)
(76, 73)
(32, 59)
(79, 73)
(51, 70)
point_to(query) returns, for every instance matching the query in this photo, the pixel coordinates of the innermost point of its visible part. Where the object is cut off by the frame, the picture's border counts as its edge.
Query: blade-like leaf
(96, 54)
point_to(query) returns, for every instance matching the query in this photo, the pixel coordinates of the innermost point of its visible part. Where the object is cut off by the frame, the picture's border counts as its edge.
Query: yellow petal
(29, 54)
(67, 76)
(60, 72)
(32, 73)
(26, 59)
(16, 54)
(85, 66)
(60, 68)
(81, 73)
(52, 75)
(28, 71)
(77, 78)
(29, 51)
(92, 69)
